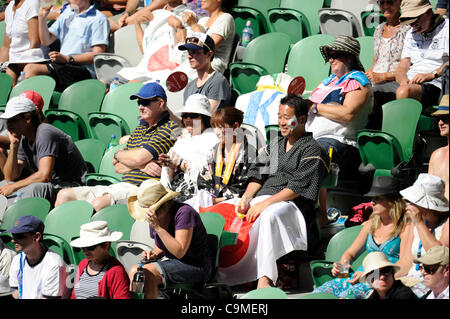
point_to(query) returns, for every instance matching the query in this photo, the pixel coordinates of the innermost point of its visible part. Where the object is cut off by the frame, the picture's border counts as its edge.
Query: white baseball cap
(18, 105)
(196, 103)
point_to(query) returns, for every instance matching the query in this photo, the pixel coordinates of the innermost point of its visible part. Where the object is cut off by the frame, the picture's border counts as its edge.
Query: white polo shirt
(427, 53)
(45, 279)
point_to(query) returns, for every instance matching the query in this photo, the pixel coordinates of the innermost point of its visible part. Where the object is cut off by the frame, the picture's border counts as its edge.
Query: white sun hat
(196, 103)
(95, 233)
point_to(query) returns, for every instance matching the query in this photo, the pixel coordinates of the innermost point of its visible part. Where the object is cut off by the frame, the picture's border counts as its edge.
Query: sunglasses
(429, 269)
(197, 41)
(386, 271)
(190, 115)
(146, 102)
(336, 55)
(21, 236)
(443, 119)
(389, 3)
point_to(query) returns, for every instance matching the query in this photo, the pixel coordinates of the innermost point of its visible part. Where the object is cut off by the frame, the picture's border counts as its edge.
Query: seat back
(340, 242)
(315, 70)
(118, 219)
(265, 293)
(106, 174)
(129, 253)
(309, 8)
(261, 6)
(42, 84)
(339, 22)
(367, 51)
(214, 224)
(355, 7)
(124, 43)
(107, 65)
(92, 151)
(35, 206)
(140, 232)
(254, 136)
(6, 83)
(2, 32)
(117, 102)
(370, 20)
(400, 118)
(243, 14)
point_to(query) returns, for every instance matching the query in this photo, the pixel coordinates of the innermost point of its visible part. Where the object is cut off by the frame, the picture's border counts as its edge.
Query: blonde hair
(396, 212)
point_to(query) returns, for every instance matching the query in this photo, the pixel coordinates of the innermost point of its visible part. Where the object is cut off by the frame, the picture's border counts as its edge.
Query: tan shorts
(117, 192)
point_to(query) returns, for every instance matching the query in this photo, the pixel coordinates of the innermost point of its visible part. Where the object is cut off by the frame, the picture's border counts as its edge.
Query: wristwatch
(435, 74)
(314, 109)
(71, 60)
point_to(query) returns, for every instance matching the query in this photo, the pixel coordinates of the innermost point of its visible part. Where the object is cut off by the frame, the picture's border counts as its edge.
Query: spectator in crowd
(435, 272)
(428, 212)
(201, 53)
(188, 157)
(83, 32)
(280, 197)
(442, 7)
(220, 27)
(379, 274)
(6, 257)
(179, 235)
(388, 45)
(438, 164)
(99, 275)
(339, 107)
(36, 272)
(383, 232)
(158, 43)
(152, 137)
(234, 151)
(425, 53)
(43, 149)
(21, 43)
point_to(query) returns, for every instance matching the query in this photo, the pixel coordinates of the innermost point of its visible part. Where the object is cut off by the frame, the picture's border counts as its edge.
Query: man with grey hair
(435, 272)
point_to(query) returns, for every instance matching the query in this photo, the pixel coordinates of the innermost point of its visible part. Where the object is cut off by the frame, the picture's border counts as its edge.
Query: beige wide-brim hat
(443, 107)
(95, 233)
(427, 192)
(196, 103)
(373, 261)
(151, 194)
(412, 9)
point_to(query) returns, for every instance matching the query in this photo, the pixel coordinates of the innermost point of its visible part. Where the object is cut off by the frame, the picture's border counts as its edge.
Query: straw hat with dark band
(343, 43)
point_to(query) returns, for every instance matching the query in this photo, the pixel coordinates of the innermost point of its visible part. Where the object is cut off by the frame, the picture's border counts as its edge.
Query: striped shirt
(87, 286)
(157, 139)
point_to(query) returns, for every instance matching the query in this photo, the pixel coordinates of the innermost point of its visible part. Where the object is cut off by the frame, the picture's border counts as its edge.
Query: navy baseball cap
(27, 224)
(198, 41)
(150, 90)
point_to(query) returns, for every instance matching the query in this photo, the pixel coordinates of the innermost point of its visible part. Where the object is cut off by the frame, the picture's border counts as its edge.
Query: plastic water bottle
(115, 83)
(18, 197)
(247, 34)
(21, 77)
(137, 285)
(112, 142)
(236, 224)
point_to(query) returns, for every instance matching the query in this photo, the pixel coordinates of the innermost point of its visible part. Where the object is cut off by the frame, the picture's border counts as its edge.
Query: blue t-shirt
(78, 33)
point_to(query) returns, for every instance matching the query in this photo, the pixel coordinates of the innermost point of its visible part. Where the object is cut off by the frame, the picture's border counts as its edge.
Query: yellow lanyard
(231, 160)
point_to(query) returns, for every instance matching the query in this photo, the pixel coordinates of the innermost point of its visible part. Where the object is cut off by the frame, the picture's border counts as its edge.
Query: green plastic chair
(338, 244)
(265, 293)
(2, 31)
(62, 225)
(92, 151)
(243, 14)
(298, 19)
(305, 60)
(321, 295)
(42, 84)
(394, 144)
(370, 20)
(261, 15)
(366, 53)
(245, 74)
(75, 103)
(118, 114)
(6, 83)
(118, 219)
(35, 206)
(106, 174)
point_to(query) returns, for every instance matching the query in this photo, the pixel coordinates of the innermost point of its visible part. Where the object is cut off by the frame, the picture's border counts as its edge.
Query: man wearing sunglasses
(425, 53)
(154, 136)
(438, 164)
(209, 82)
(36, 272)
(435, 272)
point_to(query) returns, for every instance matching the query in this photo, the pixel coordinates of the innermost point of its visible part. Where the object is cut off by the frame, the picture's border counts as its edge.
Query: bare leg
(101, 202)
(65, 195)
(264, 282)
(33, 69)
(413, 91)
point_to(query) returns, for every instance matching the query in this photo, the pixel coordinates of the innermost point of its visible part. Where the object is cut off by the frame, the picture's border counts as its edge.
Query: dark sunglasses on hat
(197, 41)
